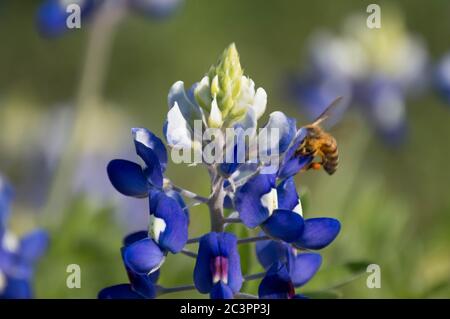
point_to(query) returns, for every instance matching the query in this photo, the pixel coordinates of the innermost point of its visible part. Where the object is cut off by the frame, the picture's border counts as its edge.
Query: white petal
(275, 131)
(178, 133)
(190, 110)
(203, 92)
(215, 117)
(260, 102)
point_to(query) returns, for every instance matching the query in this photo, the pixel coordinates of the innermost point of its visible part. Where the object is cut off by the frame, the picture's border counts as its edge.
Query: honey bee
(319, 143)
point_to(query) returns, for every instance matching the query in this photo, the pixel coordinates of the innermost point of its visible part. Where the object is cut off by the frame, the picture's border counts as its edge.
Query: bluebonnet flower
(441, 78)
(52, 15)
(17, 257)
(375, 70)
(224, 99)
(217, 269)
(141, 286)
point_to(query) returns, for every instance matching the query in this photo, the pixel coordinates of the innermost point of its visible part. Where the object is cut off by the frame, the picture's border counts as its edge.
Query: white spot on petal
(156, 227)
(298, 209)
(10, 242)
(270, 200)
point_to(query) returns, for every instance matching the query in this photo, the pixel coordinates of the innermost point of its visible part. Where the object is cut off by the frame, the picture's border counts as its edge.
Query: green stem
(215, 204)
(162, 290)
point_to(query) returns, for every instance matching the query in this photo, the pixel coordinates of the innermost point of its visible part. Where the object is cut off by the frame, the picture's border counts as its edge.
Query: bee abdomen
(331, 161)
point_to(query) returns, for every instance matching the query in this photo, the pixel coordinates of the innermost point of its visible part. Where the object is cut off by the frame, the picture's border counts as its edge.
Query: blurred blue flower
(155, 8)
(6, 195)
(374, 70)
(17, 257)
(141, 286)
(52, 15)
(217, 269)
(441, 79)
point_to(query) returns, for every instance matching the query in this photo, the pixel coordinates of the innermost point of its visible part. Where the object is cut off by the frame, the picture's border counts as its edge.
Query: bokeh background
(393, 201)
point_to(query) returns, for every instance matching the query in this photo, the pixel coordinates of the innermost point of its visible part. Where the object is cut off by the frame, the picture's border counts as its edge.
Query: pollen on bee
(316, 166)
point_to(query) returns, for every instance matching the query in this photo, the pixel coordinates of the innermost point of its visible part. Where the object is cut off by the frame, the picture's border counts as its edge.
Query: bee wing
(330, 112)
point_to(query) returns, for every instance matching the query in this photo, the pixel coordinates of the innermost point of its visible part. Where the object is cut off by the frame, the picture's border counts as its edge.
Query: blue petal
(207, 250)
(146, 141)
(231, 165)
(303, 267)
(212, 245)
(276, 284)
(127, 178)
(134, 237)
(175, 234)
(221, 291)
(292, 163)
(270, 251)
(16, 289)
(287, 194)
(248, 199)
(284, 224)
(122, 291)
(318, 233)
(175, 195)
(286, 128)
(228, 246)
(144, 285)
(143, 256)
(33, 245)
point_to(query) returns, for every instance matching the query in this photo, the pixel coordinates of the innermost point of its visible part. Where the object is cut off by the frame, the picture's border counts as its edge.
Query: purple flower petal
(127, 178)
(143, 256)
(284, 224)
(318, 233)
(248, 199)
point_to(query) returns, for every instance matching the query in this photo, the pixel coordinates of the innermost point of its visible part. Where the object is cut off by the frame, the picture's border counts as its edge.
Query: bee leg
(314, 165)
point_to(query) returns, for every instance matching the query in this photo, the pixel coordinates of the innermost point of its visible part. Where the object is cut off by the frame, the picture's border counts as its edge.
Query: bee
(319, 143)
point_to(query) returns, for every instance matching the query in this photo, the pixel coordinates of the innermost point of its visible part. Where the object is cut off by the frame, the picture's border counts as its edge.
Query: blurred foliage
(393, 203)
